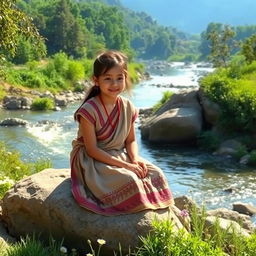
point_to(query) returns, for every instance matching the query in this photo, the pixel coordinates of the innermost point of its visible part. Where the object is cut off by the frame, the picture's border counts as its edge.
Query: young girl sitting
(108, 176)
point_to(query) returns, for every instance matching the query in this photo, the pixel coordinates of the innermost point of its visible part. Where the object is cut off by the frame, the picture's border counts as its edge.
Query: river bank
(190, 171)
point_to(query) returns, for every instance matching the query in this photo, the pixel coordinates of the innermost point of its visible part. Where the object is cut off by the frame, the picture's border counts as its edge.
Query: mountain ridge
(194, 16)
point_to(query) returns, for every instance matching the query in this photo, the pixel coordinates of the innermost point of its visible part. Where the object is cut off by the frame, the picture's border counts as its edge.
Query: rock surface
(179, 120)
(244, 208)
(43, 203)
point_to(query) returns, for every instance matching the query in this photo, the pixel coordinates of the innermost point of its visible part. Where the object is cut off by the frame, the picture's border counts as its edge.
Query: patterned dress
(111, 190)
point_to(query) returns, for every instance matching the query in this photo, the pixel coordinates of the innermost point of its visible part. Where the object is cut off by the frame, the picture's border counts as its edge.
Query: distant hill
(194, 16)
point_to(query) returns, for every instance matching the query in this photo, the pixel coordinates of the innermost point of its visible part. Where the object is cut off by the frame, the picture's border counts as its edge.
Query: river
(192, 172)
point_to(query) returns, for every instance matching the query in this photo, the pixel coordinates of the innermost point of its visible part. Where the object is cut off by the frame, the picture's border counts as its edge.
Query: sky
(193, 16)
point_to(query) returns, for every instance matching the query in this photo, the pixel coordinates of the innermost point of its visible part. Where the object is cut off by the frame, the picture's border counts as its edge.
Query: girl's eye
(107, 79)
(120, 78)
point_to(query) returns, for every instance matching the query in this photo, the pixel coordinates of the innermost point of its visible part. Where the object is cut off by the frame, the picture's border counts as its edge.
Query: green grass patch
(134, 69)
(166, 96)
(12, 168)
(42, 104)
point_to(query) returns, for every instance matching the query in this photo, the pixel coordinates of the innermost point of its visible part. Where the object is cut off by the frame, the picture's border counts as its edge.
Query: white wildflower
(63, 249)
(101, 241)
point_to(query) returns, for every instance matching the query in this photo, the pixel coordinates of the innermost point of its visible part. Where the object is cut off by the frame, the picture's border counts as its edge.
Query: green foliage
(209, 140)
(2, 93)
(252, 158)
(165, 241)
(236, 97)
(240, 152)
(221, 45)
(75, 71)
(42, 104)
(249, 49)
(12, 168)
(13, 24)
(166, 96)
(189, 57)
(32, 246)
(60, 63)
(134, 69)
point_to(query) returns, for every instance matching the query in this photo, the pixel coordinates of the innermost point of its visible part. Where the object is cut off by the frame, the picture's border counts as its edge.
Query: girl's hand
(144, 167)
(137, 169)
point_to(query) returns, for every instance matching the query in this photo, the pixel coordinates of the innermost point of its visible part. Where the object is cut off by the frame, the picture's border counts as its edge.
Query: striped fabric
(106, 189)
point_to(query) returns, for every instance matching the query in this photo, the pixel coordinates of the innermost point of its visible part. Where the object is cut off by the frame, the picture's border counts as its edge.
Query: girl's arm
(132, 150)
(90, 142)
(131, 145)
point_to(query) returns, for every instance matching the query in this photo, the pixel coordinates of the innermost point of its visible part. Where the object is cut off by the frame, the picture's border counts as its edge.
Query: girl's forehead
(116, 70)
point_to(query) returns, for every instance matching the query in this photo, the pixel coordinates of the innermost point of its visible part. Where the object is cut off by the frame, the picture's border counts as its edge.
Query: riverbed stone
(43, 204)
(244, 208)
(244, 220)
(13, 122)
(179, 120)
(225, 225)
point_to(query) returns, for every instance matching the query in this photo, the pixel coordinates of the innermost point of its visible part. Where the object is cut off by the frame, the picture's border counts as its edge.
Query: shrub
(166, 96)
(209, 140)
(252, 158)
(75, 71)
(236, 98)
(42, 104)
(240, 152)
(60, 62)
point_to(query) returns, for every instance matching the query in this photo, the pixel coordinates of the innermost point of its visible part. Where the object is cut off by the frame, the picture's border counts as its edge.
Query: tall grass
(12, 168)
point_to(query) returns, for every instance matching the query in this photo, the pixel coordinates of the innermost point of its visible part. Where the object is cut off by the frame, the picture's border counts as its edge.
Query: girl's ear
(95, 80)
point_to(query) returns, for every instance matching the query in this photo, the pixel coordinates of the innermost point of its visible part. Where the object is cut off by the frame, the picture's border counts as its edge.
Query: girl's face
(111, 83)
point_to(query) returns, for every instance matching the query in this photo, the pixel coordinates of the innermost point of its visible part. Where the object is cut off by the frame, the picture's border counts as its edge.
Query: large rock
(211, 110)
(177, 121)
(43, 204)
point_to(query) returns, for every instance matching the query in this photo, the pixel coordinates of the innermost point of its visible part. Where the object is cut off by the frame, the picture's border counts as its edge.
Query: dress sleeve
(86, 111)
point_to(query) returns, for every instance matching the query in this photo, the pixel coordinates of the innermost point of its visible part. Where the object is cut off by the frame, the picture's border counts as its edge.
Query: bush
(75, 71)
(42, 104)
(166, 96)
(209, 140)
(252, 158)
(236, 98)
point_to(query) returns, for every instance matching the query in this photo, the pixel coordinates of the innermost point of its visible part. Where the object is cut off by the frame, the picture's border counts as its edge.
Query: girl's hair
(102, 64)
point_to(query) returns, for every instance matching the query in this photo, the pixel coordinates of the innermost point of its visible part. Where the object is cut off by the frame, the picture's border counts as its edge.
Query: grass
(163, 240)
(166, 96)
(12, 168)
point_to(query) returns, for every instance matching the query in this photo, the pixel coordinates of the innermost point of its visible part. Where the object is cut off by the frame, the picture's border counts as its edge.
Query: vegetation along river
(190, 171)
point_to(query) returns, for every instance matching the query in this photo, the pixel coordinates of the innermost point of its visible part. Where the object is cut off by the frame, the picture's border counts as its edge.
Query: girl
(108, 176)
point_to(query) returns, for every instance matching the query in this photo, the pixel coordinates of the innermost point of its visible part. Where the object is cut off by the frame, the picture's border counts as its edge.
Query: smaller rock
(13, 122)
(184, 202)
(245, 159)
(225, 225)
(247, 209)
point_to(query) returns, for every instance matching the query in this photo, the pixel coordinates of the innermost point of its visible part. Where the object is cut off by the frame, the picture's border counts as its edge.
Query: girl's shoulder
(90, 104)
(126, 102)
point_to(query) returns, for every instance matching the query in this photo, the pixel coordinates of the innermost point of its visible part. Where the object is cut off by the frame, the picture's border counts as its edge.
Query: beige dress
(111, 190)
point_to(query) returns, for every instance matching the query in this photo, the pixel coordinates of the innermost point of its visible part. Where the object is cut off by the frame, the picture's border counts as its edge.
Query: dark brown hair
(102, 64)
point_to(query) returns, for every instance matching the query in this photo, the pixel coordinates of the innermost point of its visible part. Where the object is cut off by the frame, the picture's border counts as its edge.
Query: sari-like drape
(111, 190)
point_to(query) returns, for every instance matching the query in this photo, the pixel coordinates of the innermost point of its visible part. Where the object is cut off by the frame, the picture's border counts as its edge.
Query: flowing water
(190, 171)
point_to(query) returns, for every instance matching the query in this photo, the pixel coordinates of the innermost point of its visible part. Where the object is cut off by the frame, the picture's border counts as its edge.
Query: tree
(221, 46)
(13, 24)
(249, 49)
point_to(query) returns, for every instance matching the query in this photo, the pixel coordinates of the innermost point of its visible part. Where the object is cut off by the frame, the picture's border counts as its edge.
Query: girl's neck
(108, 100)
